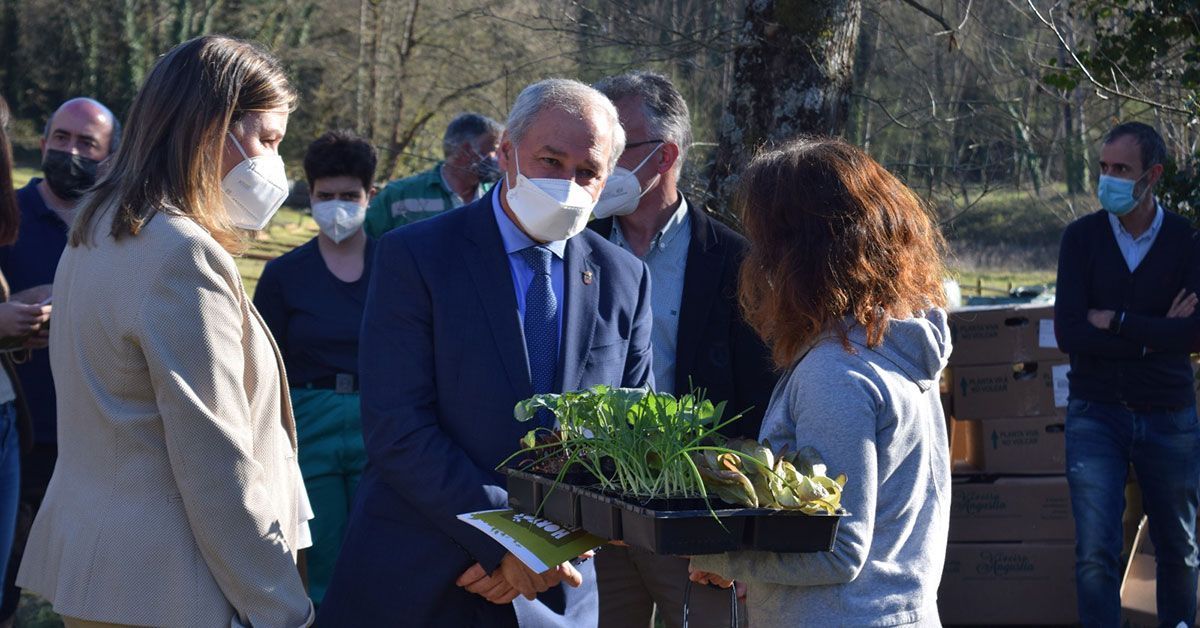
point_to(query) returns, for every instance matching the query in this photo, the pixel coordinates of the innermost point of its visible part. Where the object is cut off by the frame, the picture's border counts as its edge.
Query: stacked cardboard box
(1011, 553)
(1139, 606)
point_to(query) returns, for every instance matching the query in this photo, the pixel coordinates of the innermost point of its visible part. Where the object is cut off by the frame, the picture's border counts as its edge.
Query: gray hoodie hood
(918, 346)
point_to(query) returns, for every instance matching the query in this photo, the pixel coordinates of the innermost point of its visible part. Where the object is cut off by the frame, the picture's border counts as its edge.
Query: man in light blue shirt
(1133, 248)
(667, 259)
(699, 338)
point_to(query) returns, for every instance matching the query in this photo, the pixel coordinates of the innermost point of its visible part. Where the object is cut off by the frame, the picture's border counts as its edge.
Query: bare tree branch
(1048, 20)
(929, 12)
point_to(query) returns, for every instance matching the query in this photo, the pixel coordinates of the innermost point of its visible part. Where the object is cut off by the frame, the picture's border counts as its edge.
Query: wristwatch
(1114, 323)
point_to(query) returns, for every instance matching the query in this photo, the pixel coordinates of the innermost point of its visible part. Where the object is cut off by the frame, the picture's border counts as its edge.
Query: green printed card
(539, 543)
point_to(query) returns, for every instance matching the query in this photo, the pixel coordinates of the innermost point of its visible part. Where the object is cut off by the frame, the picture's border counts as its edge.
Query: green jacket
(414, 198)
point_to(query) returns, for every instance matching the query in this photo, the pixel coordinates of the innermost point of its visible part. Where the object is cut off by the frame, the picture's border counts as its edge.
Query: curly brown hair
(833, 236)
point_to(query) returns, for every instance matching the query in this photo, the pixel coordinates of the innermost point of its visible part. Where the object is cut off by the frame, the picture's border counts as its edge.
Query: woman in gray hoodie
(844, 281)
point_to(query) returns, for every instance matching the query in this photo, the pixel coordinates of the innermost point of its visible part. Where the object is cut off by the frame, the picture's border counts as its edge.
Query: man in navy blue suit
(467, 314)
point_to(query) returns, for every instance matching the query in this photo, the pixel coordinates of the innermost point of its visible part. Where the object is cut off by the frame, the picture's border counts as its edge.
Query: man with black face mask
(80, 135)
(468, 171)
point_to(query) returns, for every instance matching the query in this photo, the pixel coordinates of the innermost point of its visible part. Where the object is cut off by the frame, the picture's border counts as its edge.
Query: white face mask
(254, 189)
(338, 219)
(622, 191)
(548, 209)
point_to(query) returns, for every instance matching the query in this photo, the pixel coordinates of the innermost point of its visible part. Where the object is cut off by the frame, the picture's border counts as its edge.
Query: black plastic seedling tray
(682, 532)
(524, 491)
(673, 526)
(601, 515)
(561, 505)
(545, 496)
(790, 531)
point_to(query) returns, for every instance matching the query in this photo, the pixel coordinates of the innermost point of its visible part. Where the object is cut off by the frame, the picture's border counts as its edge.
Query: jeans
(1164, 447)
(10, 483)
(37, 465)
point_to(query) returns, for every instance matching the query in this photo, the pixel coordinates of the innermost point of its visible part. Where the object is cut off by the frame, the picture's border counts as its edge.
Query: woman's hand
(707, 577)
(20, 319)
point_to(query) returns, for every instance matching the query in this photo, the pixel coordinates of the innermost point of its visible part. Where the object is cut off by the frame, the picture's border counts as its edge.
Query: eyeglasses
(636, 144)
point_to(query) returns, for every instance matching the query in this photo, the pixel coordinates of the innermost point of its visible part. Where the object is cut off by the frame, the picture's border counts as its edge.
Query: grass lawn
(1017, 217)
(22, 175)
(999, 282)
(288, 229)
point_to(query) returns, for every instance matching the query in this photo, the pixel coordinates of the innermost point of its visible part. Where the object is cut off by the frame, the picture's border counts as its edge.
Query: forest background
(990, 109)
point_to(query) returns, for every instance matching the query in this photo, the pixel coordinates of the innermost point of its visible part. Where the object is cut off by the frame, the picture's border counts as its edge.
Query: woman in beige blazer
(176, 499)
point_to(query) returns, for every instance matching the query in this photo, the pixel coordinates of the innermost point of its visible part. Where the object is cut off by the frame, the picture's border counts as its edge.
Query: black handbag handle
(733, 603)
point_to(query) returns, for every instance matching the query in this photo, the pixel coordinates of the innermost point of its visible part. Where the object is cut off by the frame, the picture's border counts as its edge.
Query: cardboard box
(946, 391)
(1021, 446)
(966, 455)
(1003, 334)
(1139, 606)
(1035, 445)
(1022, 389)
(1008, 583)
(1011, 509)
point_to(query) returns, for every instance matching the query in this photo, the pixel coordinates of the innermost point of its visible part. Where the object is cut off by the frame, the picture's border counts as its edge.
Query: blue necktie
(541, 326)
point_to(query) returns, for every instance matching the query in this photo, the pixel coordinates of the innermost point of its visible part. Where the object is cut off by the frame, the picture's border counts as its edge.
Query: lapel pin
(587, 277)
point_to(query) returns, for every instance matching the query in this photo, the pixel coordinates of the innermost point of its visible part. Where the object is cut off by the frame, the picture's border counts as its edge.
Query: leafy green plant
(750, 474)
(649, 445)
(634, 441)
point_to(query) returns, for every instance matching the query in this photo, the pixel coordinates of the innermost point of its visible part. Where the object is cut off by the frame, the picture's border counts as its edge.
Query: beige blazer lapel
(285, 399)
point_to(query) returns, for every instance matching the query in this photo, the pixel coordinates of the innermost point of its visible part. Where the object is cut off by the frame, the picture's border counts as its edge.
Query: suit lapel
(581, 282)
(701, 284)
(488, 265)
(603, 226)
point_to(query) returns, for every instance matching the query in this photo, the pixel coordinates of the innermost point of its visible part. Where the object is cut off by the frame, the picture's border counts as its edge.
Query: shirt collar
(39, 206)
(1149, 233)
(514, 239)
(440, 181)
(665, 236)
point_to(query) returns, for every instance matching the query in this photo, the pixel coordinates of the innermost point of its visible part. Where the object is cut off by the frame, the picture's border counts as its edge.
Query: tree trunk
(135, 69)
(360, 71)
(793, 69)
(1074, 126)
(859, 125)
(183, 20)
(9, 46)
(1080, 134)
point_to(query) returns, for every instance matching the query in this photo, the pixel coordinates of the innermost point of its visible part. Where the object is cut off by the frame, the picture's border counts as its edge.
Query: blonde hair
(170, 158)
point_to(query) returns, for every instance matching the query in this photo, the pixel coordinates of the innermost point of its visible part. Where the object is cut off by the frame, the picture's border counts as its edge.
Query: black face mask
(69, 176)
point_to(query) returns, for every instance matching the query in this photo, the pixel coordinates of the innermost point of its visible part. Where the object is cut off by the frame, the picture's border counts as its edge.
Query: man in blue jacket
(468, 313)
(1127, 282)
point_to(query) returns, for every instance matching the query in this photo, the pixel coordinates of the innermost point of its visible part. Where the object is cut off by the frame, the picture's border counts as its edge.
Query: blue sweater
(28, 262)
(1146, 364)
